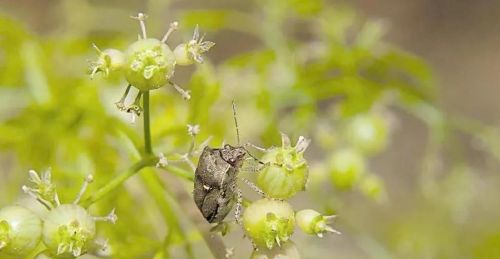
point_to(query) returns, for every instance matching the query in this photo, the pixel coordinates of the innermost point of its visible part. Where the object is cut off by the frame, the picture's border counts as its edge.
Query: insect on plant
(215, 183)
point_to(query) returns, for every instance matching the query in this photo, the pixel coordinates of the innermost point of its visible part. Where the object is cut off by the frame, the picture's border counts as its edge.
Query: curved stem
(117, 181)
(165, 203)
(185, 200)
(147, 127)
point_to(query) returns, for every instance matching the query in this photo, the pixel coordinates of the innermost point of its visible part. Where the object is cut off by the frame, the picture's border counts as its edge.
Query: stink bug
(215, 182)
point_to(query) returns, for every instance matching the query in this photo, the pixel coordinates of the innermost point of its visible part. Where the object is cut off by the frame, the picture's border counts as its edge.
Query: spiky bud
(190, 52)
(346, 168)
(313, 223)
(108, 61)
(68, 230)
(20, 230)
(368, 132)
(149, 64)
(269, 223)
(286, 172)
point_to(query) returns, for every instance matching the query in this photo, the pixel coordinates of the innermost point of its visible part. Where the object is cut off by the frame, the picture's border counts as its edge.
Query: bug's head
(233, 155)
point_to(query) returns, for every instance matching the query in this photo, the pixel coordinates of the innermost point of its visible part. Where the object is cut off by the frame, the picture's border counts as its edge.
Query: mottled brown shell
(215, 181)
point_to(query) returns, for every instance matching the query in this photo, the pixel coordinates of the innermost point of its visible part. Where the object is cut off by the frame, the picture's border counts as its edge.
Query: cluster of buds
(365, 134)
(149, 63)
(66, 230)
(287, 171)
(270, 222)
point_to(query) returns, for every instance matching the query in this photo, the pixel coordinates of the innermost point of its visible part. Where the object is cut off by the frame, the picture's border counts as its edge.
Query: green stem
(179, 172)
(117, 181)
(165, 204)
(147, 127)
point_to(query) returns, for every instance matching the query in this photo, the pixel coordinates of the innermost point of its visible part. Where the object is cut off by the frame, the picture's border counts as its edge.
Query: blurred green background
(398, 97)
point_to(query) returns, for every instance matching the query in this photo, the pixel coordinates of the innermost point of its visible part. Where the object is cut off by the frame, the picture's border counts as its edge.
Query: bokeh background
(426, 69)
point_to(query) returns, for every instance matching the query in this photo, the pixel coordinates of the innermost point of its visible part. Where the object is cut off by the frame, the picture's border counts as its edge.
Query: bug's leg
(261, 163)
(256, 147)
(185, 94)
(237, 211)
(256, 159)
(121, 103)
(254, 187)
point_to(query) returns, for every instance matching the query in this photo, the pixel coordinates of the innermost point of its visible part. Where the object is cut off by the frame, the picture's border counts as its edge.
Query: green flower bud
(287, 171)
(372, 187)
(68, 231)
(269, 222)
(285, 251)
(149, 64)
(313, 223)
(108, 61)
(190, 52)
(368, 132)
(43, 189)
(20, 230)
(346, 168)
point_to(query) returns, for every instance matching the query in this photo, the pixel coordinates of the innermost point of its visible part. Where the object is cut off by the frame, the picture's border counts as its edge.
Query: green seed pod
(269, 222)
(346, 168)
(20, 230)
(287, 172)
(190, 52)
(68, 231)
(372, 187)
(108, 61)
(149, 64)
(182, 55)
(368, 132)
(313, 223)
(286, 251)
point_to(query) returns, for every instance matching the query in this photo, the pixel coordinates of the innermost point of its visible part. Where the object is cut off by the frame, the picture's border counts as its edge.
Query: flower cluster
(66, 230)
(149, 63)
(365, 134)
(270, 221)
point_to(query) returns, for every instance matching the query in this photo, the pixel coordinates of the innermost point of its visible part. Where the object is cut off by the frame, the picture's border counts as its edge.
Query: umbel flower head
(347, 166)
(149, 63)
(43, 190)
(269, 223)
(190, 52)
(312, 222)
(286, 172)
(108, 61)
(20, 230)
(68, 230)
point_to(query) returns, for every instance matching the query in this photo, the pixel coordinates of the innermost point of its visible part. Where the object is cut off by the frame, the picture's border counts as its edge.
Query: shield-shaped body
(215, 181)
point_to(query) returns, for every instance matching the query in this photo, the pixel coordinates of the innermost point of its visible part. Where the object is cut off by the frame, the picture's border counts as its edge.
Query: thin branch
(118, 180)
(185, 200)
(147, 126)
(157, 190)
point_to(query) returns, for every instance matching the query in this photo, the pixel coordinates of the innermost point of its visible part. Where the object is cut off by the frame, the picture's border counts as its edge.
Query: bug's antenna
(236, 124)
